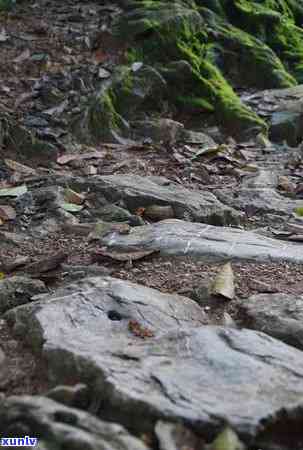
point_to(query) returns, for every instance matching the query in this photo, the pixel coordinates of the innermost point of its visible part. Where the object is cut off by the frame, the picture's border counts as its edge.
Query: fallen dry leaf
(224, 284)
(68, 157)
(7, 212)
(140, 211)
(14, 165)
(139, 331)
(286, 185)
(73, 197)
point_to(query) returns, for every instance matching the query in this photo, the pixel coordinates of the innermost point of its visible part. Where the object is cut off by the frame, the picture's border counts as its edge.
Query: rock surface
(136, 191)
(182, 371)
(70, 428)
(279, 315)
(175, 436)
(179, 238)
(258, 195)
(17, 290)
(283, 107)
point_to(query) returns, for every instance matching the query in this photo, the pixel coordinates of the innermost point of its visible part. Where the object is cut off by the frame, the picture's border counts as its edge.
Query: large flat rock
(57, 426)
(16, 290)
(279, 315)
(200, 375)
(136, 191)
(258, 195)
(111, 304)
(210, 243)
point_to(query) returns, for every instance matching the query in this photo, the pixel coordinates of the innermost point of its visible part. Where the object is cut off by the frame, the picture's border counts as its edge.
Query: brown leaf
(139, 331)
(68, 157)
(73, 197)
(99, 56)
(140, 211)
(14, 165)
(7, 212)
(286, 185)
(223, 284)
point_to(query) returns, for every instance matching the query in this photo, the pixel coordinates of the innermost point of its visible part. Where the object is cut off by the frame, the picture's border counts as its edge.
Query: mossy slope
(225, 43)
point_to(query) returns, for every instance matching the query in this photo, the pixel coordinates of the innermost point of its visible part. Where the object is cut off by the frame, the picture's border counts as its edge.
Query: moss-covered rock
(7, 5)
(128, 95)
(221, 45)
(99, 120)
(275, 23)
(245, 60)
(172, 31)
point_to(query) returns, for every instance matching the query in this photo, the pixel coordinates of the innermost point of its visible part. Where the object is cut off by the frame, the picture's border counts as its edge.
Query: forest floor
(60, 39)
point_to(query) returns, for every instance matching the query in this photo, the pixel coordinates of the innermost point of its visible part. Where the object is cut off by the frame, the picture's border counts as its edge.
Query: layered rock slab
(136, 191)
(57, 426)
(200, 375)
(207, 242)
(279, 315)
(258, 194)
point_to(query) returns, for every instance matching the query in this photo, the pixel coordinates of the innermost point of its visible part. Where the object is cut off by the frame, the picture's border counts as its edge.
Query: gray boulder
(57, 426)
(136, 191)
(202, 376)
(258, 195)
(179, 238)
(279, 315)
(18, 290)
(112, 304)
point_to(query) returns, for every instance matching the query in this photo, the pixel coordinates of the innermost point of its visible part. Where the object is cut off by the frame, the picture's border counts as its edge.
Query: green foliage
(7, 5)
(299, 211)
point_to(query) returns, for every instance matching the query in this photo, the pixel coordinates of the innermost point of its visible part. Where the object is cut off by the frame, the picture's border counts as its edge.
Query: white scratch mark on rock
(186, 250)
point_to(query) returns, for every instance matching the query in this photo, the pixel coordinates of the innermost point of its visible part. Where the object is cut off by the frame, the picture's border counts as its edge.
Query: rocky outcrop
(17, 290)
(136, 192)
(258, 195)
(201, 45)
(283, 109)
(147, 357)
(279, 315)
(51, 424)
(178, 238)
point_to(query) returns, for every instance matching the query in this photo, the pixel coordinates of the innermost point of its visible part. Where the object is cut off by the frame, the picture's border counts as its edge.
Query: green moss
(197, 103)
(226, 44)
(299, 211)
(134, 54)
(179, 33)
(275, 23)
(7, 5)
(127, 94)
(102, 115)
